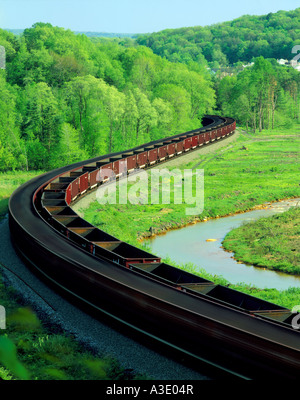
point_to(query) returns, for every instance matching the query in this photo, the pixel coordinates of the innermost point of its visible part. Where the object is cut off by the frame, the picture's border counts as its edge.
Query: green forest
(271, 36)
(67, 97)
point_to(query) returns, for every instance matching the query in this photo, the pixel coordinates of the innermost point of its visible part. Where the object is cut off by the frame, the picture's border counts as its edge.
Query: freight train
(239, 333)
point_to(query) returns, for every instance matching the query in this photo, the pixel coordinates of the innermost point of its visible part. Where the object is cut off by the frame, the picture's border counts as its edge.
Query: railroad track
(239, 334)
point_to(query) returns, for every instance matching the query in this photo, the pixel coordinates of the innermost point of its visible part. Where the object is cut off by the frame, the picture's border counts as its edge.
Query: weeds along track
(238, 334)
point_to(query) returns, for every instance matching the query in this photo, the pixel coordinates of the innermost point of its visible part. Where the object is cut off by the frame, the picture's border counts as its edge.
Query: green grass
(35, 350)
(9, 182)
(269, 242)
(293, 130)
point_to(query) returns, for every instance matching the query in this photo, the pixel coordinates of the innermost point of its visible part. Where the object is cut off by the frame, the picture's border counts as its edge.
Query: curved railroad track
(242, 335)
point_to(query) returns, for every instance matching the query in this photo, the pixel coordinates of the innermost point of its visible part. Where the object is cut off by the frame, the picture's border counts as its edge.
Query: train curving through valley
(241, 334)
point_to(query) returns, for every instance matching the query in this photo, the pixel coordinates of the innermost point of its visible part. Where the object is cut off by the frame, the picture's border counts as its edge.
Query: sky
(131, 16)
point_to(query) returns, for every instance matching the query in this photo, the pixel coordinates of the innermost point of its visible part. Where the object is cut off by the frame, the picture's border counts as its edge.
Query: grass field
(269, 242)
(9, 182)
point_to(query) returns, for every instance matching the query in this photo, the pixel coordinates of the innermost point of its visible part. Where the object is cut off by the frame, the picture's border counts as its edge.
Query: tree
(95, 109)
(63, 68)
(12, 151)
(146, 116)
(180, 101)
(68, 149)
(164, 115)
(114, 105)
(42, 119)
(16, 69)
(130, 117)
(262, 73)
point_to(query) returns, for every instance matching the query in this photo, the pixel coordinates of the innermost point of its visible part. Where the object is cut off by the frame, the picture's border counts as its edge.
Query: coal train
(249, 337)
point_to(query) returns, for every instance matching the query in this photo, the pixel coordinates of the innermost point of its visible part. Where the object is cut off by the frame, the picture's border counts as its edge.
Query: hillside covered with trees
(66, 97)
(271, 36)
(264, 96)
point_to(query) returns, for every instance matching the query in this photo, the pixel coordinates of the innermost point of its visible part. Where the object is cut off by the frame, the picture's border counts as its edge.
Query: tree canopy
(271, 36)
(66, 96)
(90, 96)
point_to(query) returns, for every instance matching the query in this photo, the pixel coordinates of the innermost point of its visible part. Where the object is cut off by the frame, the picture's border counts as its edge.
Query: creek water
(189, 244)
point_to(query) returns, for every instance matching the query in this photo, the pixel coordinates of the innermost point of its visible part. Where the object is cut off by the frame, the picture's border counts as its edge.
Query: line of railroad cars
(63, 219)
(78, 181)
(61, 191)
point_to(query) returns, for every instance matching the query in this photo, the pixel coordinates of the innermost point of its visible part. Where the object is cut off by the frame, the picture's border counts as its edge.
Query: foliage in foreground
(30, 349)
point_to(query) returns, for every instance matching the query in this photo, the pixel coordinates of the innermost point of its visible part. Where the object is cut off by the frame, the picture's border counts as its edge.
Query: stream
(189, 244)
